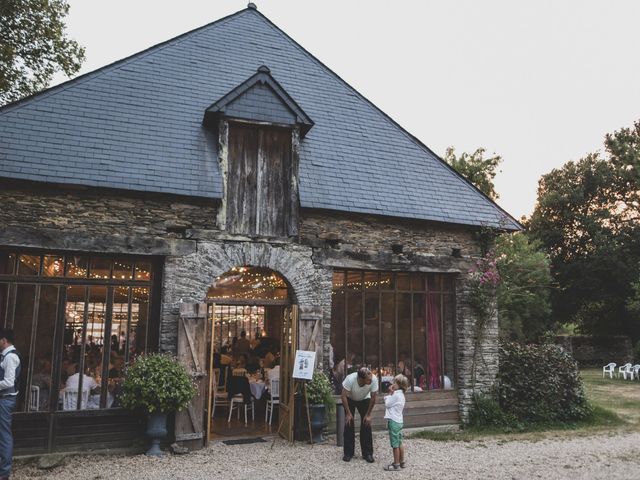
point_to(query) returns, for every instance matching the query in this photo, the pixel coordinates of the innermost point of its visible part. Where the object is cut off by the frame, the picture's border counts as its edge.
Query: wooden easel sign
(303, 365)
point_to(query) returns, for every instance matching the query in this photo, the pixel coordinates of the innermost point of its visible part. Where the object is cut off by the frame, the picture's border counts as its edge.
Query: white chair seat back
(274, 388)
(70, 400)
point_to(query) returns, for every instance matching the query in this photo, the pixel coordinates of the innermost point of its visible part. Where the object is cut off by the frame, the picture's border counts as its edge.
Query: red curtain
(434, 352)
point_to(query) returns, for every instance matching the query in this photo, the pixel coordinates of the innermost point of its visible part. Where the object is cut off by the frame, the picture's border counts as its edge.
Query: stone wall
(184, 232)
(596, 352)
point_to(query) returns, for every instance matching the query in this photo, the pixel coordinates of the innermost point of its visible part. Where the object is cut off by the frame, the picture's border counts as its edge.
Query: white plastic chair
(625, 370)
(70, 399)
(636, 371)
(274, 391)
(34, 402)
(610, 369)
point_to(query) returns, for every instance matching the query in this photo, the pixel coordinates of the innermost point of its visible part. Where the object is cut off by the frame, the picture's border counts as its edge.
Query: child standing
(394, 404)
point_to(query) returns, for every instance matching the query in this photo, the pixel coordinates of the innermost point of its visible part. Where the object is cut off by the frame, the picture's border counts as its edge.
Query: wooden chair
(220, 397)
(274, 391)
(238, 399)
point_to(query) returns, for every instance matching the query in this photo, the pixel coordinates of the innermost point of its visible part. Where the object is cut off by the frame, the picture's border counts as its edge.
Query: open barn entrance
(250, 318)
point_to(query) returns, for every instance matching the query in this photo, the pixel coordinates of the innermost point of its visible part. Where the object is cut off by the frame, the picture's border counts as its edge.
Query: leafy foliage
(524, 308)
(34, 46)
(320, 391)
(588, 219)
(540, 383)
(157, 383)
(487, 414)
(474, 167)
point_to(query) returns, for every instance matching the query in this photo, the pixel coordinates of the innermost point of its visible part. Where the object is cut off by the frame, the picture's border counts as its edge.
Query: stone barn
(226, 181)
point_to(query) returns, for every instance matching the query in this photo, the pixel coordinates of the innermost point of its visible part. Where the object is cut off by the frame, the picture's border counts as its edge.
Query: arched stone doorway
(187, 279)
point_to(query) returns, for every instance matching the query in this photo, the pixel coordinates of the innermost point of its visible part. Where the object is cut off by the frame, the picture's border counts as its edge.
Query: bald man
(359, 392)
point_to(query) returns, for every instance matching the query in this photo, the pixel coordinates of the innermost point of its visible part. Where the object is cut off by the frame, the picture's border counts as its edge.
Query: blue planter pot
(318, 415)
(156, 431)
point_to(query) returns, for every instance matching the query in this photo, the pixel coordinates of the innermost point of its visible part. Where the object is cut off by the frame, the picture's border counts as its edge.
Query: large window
(78, 320)
(394, 323)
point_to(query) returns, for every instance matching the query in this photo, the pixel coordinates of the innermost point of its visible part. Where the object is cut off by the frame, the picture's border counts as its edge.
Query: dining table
(257, 387)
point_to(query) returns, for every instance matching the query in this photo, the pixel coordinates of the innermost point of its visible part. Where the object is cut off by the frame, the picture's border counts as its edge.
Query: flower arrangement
(157, 383)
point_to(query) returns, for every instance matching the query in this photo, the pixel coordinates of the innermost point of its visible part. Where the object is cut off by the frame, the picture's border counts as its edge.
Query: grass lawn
(616, 405)
(615, 394)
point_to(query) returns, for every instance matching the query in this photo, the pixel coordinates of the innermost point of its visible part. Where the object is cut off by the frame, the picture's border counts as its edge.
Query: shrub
(540, 383)
(157, 383)
(319, 391)
(487, 413)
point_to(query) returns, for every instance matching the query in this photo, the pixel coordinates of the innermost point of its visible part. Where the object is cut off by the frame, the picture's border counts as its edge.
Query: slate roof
(137, 124)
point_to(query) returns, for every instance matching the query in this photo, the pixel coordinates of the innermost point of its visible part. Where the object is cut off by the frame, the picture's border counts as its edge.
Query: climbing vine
(484, 279)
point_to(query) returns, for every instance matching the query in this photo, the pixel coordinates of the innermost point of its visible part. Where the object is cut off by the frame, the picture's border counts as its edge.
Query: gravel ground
(605, 456)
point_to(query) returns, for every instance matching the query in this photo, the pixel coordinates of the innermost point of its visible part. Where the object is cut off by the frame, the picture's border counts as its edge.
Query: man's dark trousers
(366, 438)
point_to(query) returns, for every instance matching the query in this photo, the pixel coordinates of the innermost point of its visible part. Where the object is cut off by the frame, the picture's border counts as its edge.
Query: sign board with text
(304, 364)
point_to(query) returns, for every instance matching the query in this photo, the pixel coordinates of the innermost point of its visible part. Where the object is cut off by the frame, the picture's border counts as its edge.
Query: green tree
(474, 167)
(34, 46)
(524, 307)
(587, 218)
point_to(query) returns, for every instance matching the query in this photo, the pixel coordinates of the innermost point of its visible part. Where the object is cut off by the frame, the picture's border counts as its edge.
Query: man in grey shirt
(359, 392)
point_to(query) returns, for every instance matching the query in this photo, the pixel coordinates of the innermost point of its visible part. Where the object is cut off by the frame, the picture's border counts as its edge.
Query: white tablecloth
(257, 388)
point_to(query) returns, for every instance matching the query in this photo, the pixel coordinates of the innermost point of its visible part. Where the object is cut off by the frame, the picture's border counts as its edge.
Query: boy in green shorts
(394, 404)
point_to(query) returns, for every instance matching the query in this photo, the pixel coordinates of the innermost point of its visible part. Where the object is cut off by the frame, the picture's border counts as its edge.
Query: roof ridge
(115, 65)
(385, 116)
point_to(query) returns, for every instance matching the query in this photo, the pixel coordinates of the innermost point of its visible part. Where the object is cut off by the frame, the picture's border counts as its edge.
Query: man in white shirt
(9, 376)
(359, 392)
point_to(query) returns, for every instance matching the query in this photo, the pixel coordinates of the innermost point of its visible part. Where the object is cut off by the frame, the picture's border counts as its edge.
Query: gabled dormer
(259, 127)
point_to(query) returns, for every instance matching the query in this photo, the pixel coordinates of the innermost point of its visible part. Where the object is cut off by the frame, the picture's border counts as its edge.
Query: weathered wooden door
(192, 353)
(288, 345)
(259, 180)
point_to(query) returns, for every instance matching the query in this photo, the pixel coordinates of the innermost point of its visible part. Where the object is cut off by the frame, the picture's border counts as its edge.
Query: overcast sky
(538, 82)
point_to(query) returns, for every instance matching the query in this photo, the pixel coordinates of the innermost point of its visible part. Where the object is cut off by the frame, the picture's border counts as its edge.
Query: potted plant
(157, 384)
(321, 402)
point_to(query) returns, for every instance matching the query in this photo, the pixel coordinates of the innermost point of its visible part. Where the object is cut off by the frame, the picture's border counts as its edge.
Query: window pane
(354, 331)
(419, 342)
(40, 389)
(29, 265)
(74, 350)
(371, 332)
(404, 336)
(338, 279)
(434, 369)
(118, 343)
(77, 267)
(449, 341)
(371, 280)
(52, 265)
(386, 281)
(4, 300)
(122, 269)
(119, 319)
(138, 331)
(404, 281)
(418, 282)
(143, 270)
(22, 323)
(388, 338)
(337, 354)
(7, 261)
(354, 280)
(100, 268)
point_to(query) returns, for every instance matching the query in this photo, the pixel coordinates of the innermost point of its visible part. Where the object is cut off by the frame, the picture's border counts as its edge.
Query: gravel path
(606, 456)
